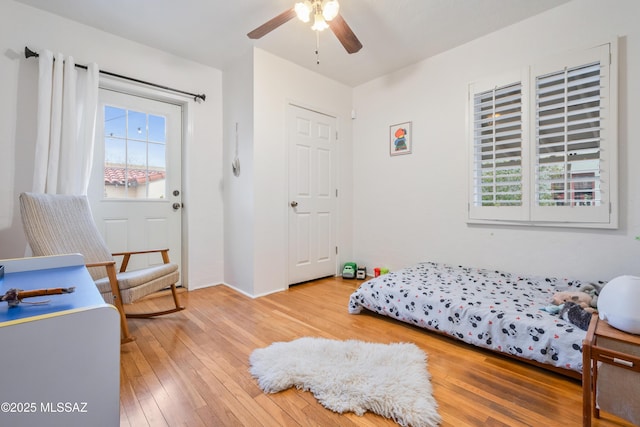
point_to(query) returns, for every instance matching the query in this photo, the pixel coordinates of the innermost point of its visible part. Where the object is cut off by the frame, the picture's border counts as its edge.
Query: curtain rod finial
(200, 98)
(28, 53)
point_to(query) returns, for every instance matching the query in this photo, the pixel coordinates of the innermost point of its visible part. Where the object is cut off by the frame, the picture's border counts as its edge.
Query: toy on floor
(361, 273)
(349, 270)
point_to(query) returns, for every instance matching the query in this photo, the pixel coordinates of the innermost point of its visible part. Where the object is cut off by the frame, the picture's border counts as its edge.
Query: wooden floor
(191, 368)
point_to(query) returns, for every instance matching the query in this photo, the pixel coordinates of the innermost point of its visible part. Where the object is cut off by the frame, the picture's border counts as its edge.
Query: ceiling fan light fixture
(330, 9)
(303, 10)
(319, 23)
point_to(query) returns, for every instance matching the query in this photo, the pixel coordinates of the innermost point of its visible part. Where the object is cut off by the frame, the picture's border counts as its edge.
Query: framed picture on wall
(400, 139)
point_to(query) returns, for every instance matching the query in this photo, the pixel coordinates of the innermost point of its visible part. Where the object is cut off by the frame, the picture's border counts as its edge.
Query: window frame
(529, 213)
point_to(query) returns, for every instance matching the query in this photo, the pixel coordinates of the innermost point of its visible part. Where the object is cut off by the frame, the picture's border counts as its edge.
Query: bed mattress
(495, 310)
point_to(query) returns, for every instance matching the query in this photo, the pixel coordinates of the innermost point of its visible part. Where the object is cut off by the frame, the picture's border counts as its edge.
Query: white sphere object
(619, 303)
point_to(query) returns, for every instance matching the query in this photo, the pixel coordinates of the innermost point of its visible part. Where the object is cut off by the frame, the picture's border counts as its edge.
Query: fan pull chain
(317, 47)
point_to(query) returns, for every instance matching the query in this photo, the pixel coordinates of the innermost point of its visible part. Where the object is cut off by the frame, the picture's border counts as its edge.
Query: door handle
(294, 204)
(176, 206)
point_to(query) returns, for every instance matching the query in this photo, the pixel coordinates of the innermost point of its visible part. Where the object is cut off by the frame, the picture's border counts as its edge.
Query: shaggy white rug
(352, 376)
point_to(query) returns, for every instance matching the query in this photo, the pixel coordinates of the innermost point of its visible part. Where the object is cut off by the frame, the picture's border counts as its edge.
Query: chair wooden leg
(174, 292)
(117, 301)
(177, 308)
(126, 336)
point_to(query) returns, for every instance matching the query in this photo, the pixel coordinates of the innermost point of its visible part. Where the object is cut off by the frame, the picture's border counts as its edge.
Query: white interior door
(312, 194)
(136, 190)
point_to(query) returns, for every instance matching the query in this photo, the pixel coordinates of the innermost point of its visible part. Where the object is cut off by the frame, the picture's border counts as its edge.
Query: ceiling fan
(325, 14)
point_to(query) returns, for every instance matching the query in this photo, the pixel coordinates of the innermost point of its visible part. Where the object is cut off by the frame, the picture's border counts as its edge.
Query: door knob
(294, 204)
(176, 206)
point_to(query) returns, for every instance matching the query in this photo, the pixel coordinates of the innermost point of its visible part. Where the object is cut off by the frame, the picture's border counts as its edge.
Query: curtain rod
(28, 53)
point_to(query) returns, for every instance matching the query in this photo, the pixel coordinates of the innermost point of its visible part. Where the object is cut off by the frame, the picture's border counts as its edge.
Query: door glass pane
(157, 131)
(136, 125)
(157, 168)
(115, 122)
(135, 154)
(115, 165)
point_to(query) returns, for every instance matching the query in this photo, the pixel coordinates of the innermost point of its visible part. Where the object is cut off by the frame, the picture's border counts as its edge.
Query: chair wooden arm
(140, 252)
(100, 264)
(127, 255)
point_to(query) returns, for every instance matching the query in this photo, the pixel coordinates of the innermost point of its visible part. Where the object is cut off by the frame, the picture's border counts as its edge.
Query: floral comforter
(490, 309)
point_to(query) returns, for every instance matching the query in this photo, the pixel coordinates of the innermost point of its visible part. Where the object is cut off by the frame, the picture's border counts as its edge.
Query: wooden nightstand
(619, 386)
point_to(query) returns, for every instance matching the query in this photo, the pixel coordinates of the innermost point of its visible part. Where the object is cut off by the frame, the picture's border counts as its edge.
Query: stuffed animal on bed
(586, 298)
(576, 315)
(582, 299)
(592, 289)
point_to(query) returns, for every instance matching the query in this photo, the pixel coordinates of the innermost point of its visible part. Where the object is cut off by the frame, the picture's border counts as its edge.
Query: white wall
(239, 212)
(276, 84)
(413, 208)
(22, 26)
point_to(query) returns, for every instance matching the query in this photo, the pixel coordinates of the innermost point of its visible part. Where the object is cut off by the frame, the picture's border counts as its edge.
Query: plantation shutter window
(497, 189)
(557, 165)
(568, 137)
(498, 146)
(575, 139)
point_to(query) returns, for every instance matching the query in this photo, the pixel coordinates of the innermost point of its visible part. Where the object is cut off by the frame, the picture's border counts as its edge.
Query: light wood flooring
(191, 368)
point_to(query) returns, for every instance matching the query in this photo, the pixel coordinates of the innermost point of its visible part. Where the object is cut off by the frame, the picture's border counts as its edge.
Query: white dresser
(59, 361)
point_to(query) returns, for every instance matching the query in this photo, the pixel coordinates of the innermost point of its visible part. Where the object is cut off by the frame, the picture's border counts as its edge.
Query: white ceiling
(394, 33)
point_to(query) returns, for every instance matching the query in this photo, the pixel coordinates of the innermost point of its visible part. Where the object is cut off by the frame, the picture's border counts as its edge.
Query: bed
(495, 310)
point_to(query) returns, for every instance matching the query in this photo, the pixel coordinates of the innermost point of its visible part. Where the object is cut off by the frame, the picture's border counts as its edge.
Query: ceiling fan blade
(343, 32)
(271, 25)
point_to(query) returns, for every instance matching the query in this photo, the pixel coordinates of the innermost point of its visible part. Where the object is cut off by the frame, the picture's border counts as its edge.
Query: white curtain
(67, 106)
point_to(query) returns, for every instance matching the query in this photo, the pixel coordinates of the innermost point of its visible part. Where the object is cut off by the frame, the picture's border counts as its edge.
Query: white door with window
(312, 194)
(136, 190)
